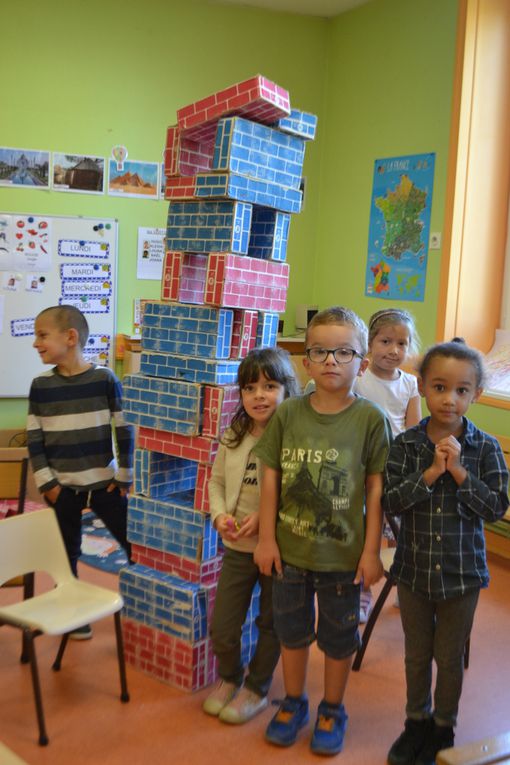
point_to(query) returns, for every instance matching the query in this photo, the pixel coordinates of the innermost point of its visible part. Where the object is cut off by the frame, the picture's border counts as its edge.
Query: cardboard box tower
(233, 166)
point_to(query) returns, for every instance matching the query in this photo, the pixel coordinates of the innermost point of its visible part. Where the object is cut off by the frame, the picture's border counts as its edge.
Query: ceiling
(323, 8)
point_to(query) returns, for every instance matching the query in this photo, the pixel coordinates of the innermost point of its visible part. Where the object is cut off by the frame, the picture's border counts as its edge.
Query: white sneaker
(222, 693)
(365, 606)
(243, 707)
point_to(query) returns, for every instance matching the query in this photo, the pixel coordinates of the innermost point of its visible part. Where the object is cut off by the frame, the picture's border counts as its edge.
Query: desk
(13, 473)
(295, 345)
(291, 343)
(14, 483)
(494, 750)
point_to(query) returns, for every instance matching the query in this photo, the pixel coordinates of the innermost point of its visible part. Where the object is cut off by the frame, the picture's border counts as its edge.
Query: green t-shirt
(324, 460)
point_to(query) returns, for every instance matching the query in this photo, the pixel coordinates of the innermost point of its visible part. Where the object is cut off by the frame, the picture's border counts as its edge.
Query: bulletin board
(49, 260)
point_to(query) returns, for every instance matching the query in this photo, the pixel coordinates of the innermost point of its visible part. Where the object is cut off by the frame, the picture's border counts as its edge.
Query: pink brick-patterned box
(225, 279)
(256, 99)
(195, 448)
(200, 572)
(182, 665)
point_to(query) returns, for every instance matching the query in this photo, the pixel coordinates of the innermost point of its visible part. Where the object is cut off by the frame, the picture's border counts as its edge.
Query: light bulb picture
(119, 153)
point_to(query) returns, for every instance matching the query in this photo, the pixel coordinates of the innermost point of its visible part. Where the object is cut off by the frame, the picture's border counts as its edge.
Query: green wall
(87, 76)
(380, 77)
(388, 93)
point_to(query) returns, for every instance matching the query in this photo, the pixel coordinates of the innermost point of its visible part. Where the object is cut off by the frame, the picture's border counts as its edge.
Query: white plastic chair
(32, 542)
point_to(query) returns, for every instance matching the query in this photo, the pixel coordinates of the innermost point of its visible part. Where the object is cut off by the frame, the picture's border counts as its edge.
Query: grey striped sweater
(70, 437)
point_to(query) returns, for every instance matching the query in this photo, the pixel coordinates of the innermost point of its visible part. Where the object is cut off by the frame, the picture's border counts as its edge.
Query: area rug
(98, 547)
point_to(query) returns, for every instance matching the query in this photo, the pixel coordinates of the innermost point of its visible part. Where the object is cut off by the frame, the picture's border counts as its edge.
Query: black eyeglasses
(341, 355)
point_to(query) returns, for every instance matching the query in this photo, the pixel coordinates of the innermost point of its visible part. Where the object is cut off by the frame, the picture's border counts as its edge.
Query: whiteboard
(48, 260)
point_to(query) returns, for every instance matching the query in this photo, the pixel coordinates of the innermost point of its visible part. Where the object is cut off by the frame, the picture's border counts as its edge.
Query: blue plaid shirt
(441, 546)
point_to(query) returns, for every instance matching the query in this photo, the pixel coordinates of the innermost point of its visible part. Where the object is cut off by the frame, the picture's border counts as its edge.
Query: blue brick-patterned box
(187, 330)
(206, 371)
(269, 234)
(159, 476)
(299, 123)
(258, 151)
(244, 189)
(249, 632)
(172, 527)
(216, 226)
(267, 330)
(164, 602)
(168, 405)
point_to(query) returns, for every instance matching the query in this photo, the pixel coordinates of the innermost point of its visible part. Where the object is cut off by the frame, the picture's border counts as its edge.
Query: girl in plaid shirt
(443, 478)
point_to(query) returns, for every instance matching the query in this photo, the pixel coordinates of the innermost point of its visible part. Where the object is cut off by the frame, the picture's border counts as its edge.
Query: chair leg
(124, 695)
(28, 592)
(29, 639)
(62, 647)
(466, 652)
(369, 626)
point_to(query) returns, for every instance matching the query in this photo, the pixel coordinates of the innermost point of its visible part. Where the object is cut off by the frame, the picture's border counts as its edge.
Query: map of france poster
(400, 227)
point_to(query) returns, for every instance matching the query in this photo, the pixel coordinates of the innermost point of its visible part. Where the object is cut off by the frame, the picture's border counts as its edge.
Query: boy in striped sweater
(77, 459)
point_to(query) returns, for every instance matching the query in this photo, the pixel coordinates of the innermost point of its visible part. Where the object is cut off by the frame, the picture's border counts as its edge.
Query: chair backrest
(33, 542)
(392, 523)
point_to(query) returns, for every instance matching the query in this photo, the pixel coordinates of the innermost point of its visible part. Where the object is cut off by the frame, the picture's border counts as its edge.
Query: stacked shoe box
(233, 165)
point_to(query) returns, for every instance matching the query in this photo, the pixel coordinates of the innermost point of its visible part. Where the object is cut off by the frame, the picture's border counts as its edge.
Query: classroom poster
(79, 173)
(24, 167)
(135, 179)
(25, 243)
(150, 253)
(400, 227)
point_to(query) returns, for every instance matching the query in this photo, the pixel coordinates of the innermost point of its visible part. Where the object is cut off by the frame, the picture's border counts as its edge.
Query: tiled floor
(87, 724)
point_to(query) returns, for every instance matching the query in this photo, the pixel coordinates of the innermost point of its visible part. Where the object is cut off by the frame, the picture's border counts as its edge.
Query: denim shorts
(338, 605)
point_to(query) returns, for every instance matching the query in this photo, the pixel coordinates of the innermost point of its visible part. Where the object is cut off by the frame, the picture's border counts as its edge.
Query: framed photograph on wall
(135, 179)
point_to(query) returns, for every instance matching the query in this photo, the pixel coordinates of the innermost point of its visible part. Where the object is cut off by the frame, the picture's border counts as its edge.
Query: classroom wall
(380, 77)
(388, 93)
(87, 76)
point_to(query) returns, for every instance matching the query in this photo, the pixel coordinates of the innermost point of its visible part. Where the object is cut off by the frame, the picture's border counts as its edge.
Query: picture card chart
(50, 260)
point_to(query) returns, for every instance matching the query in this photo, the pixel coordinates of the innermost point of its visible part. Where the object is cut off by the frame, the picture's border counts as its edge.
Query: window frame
(478, 193)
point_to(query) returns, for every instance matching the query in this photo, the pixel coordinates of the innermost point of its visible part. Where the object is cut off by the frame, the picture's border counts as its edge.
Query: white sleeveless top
(393, 396)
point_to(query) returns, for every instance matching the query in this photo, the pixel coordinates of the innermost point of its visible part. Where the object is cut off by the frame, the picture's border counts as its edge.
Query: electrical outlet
(435, 241)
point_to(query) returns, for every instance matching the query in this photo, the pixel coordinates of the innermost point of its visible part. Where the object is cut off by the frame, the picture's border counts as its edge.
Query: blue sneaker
(290, 718)
(329, 731)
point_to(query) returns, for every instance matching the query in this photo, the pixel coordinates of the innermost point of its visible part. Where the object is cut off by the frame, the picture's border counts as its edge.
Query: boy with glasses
(320, 521)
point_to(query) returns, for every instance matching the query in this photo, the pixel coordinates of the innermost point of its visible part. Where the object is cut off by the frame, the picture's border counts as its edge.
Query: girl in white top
(392, 338)
(265, 377)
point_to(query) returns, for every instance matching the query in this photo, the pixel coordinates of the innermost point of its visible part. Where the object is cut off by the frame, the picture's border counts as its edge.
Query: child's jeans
(435, 629)
(109, 506)
(238, 577)
(338, 603)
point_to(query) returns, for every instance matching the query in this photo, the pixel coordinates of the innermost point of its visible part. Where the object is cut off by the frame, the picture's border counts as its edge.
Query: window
(476, 217)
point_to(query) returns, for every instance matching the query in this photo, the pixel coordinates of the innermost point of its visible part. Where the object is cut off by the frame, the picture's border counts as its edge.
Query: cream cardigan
(226, 482)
